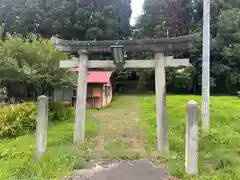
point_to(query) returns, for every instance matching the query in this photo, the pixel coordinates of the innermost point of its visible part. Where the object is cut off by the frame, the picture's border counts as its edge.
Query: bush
(60, 112)
(2, 98)
(16, 120)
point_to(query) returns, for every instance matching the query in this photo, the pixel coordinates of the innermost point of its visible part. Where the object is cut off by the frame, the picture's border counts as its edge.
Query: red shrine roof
(101, 77)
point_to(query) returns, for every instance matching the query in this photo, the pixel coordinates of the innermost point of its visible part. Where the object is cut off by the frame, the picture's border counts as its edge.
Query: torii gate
(118, 48)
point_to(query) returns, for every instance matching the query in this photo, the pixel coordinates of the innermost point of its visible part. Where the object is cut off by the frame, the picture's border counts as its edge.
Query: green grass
(4, 108)
(17, 156)
(120, 133)
(118, 149)
(219, 149)
(111, 133)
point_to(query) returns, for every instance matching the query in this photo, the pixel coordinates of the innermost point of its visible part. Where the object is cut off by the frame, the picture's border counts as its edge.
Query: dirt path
(120, 128)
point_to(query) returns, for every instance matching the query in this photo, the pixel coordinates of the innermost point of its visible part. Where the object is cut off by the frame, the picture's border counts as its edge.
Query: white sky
(137, 10)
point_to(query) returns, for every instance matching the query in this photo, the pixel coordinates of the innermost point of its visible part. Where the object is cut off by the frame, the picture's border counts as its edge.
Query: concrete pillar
(160, 83)
(81, 99)
(191, 150)
(41, 125)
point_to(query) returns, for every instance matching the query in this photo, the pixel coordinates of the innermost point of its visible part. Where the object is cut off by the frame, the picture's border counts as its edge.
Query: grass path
(120, 134)
(121, 137)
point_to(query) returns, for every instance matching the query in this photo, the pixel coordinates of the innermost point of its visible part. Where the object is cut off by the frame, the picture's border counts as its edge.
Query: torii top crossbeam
(181, 43)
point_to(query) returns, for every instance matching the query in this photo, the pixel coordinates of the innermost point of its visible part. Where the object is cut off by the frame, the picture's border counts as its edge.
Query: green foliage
(162, 19)
(108, 20)
(218, 149)
(118, 149)
(179, 17)
(227, 69)
(16, 120)
(179, 82)
(17, 156)
(2, 97)
(85, 19)
(60, 112)
(29, 67)
(165, 18)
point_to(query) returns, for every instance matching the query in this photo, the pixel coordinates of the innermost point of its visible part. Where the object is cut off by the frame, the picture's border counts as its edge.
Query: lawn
(17, 155)
(129, 132)
(219, 149)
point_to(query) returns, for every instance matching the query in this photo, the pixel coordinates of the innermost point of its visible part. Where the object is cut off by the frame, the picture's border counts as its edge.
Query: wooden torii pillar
(159, 46)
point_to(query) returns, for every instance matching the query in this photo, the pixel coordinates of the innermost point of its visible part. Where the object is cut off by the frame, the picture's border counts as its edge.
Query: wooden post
(160, 83)
(41, 126)
(81, 99)
(191, 151)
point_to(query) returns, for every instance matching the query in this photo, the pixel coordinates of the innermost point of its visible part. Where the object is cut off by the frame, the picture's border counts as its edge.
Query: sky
(137, 10)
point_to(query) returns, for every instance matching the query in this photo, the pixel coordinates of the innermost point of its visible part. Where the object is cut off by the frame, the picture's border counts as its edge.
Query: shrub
(60, 112)
(2, 98)
(16, 120)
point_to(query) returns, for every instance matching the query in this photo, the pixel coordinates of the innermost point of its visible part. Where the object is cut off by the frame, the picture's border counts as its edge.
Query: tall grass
(219, 149)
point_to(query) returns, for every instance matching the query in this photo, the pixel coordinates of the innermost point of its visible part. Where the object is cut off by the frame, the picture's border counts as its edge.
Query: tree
(70, 19)
(178, 17)
(226, 69)
(31, 67)
(163, 18)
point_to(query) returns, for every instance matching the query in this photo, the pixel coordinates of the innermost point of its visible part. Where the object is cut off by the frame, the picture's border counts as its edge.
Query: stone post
(191, 150)
(41, 125)
(160, 83)
(166, 142)
(81, 99)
